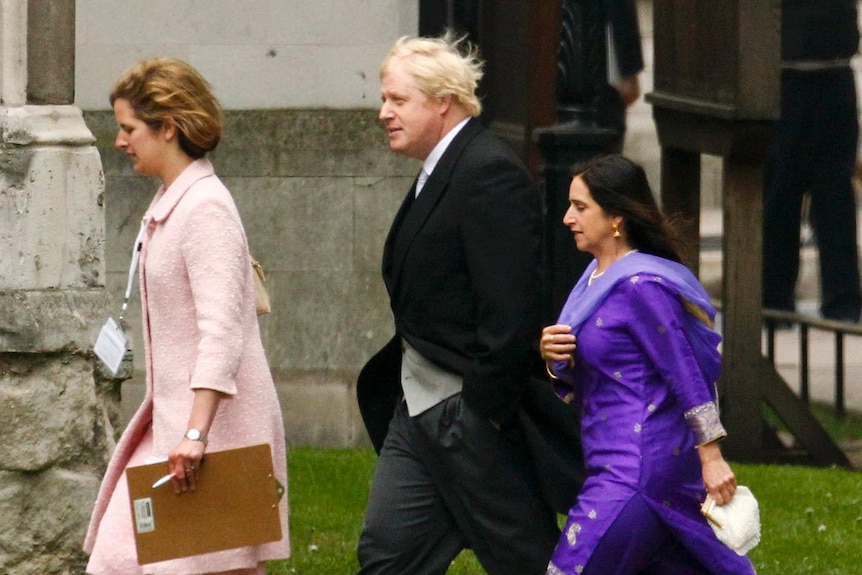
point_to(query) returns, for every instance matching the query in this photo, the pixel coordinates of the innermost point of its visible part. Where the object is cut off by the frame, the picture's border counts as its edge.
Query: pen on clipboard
(170, 476)
(163, 480)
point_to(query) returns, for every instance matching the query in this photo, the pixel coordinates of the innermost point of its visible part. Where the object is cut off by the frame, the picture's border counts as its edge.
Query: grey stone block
(48, 409)
(325, 320)
(376, 201)
(43, 519)
(297, 223)
(329, 416)
(53, 227)
(50, 321)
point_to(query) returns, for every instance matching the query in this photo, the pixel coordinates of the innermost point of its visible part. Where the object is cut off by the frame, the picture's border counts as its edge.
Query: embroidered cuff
(705, 423)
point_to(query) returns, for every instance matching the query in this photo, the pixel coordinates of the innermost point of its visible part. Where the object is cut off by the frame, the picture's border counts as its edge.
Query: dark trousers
(814, 153)
(445, 480)
(611, 113)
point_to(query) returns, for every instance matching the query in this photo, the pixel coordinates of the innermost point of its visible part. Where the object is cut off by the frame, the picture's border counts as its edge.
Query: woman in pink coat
(208, 384)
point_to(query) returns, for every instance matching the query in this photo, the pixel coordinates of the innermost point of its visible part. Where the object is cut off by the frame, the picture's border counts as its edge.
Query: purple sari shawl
(700, 319)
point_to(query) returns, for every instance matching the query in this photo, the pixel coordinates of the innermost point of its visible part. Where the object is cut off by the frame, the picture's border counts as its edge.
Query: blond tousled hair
(443, 66)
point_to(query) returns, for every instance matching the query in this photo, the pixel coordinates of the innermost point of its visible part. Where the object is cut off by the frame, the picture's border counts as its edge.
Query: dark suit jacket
(622, 15)
(462, 267)
(818, 29)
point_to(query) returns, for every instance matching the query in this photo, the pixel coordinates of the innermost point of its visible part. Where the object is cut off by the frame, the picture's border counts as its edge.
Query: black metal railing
(774, 320)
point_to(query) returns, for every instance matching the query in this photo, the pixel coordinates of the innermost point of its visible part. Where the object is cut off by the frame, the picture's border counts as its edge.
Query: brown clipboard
(234, 505)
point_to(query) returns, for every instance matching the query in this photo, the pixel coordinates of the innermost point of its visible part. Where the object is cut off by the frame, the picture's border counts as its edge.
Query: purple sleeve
(657, 324)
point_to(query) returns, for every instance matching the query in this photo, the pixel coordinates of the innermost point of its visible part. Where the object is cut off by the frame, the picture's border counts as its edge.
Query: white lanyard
(133, 267)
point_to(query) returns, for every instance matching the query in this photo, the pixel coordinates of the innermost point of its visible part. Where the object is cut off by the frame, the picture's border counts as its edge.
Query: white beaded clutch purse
(736, 524)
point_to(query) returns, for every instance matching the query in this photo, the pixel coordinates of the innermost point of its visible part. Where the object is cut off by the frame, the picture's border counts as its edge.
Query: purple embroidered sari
(646, 356)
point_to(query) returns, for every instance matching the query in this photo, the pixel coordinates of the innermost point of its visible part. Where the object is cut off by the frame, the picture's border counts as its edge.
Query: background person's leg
(833, 200)
(789, 168)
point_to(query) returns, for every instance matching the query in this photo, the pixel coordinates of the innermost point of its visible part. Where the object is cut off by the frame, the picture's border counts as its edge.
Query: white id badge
(111, 345)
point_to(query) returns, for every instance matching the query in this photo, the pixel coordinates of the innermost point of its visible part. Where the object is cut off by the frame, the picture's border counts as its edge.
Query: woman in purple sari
(635, 347)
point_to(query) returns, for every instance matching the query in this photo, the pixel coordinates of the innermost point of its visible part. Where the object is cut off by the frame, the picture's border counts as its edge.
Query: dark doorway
(461, 16)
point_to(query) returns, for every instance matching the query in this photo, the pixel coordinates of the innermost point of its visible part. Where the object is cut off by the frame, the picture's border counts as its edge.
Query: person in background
(440, 401)
(635, 348)
(814, 155)
(625, 62)
(208, 386)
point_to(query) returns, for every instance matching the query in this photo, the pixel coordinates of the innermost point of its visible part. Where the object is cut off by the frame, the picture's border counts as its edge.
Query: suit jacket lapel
(410, 220)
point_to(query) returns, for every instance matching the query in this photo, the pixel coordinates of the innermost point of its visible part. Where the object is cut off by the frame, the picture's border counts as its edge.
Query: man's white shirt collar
(431, 161)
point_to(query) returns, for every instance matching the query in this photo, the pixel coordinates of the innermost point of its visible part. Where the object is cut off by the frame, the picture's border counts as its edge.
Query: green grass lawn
(812, 518)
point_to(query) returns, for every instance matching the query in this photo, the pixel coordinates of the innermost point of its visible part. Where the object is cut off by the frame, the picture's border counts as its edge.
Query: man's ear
(445, 104)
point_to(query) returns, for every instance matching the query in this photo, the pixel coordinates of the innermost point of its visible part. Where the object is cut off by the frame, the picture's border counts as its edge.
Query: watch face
(193, 434)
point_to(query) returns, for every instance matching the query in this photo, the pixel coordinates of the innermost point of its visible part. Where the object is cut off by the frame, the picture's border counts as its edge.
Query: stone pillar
(13, 52)
(58, 410)
(51, 52)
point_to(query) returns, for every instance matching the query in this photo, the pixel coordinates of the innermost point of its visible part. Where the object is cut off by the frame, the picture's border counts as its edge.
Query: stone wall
(317, 191)
(59, 410)
(263, 54)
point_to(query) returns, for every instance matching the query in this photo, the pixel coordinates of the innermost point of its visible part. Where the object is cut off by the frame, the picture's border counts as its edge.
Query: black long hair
(620, 187)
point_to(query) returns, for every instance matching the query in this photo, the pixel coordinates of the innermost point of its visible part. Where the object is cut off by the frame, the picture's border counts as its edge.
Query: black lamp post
(581, 72)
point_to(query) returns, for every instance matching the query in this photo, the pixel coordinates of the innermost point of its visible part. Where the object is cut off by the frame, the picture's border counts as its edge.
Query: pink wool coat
(200, 331)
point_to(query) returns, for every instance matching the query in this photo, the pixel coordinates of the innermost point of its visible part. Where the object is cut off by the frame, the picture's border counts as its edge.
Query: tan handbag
(261, 297)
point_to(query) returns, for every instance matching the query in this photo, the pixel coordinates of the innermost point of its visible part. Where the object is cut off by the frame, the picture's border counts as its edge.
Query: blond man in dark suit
(440, 401)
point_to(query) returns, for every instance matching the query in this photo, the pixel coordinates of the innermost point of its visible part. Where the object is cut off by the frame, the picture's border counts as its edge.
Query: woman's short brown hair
(165, 91)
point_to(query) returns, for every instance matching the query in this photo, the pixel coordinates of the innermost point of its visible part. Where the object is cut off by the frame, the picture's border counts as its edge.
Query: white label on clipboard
(144, 520)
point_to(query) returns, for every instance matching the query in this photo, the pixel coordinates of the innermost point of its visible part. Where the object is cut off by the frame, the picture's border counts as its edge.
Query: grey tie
(420, 181)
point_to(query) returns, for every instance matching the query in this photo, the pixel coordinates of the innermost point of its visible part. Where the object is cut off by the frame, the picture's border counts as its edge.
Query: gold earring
(616, 231)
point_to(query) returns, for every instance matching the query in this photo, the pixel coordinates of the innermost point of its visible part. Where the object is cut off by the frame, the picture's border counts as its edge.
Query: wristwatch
(195, 435)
